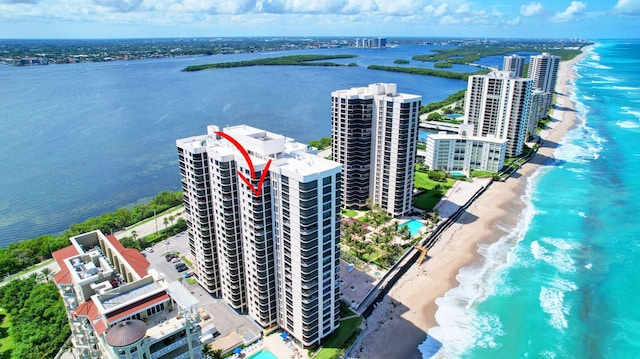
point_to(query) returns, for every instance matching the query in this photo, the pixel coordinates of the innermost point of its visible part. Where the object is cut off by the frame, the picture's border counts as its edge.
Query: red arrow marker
(255, 190)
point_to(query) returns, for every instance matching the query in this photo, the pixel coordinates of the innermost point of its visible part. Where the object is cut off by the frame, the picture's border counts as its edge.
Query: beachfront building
(276, 241)
(374, 136)
(538, 109)
(543, 71)
(464, 152)
(497, 105)
(118, 310)
(513, 63)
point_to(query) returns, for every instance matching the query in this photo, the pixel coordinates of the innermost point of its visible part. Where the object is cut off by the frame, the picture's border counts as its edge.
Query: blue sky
(392, 18)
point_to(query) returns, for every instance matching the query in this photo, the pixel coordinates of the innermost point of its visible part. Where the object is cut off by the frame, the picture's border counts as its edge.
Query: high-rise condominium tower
(513, 63)
(374, 136)
(497, 105)
(264, 227)
(543, 70)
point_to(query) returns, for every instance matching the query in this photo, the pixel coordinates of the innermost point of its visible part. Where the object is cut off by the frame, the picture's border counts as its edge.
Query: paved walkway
(151, 226)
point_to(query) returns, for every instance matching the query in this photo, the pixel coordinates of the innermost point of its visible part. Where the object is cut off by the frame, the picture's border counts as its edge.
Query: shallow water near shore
(562, 283)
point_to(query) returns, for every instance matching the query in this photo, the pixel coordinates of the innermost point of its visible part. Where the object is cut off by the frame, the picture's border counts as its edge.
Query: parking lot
(225, 319)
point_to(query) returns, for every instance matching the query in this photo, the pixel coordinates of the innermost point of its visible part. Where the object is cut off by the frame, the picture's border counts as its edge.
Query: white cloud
(462, 9)
(575, 9)
(628, 7)
(531, 9)
(435, 11)
(514, 21)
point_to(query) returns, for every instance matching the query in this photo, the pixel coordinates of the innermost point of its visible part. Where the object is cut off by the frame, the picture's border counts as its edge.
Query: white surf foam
(558, 257)
(596, 65)
(552, 302)
(628, 124)
(625, 88)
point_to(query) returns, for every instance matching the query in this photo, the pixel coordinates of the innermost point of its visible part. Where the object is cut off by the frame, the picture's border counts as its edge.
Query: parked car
(170, 256)
(149, 249)
(175, 259)
(181, 267)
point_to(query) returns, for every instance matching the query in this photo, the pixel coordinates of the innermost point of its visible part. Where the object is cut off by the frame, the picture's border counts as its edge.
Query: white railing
(169, 348)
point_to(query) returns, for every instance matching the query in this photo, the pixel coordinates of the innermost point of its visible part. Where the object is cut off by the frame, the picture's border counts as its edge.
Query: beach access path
(407, 313)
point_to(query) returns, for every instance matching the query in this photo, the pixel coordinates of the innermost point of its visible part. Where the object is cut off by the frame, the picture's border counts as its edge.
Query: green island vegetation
(401, 62)
(321, 144)
(34, 321)
(443, 65)
(429, 72)
(470, 54)
(20, 255)
(295, 60)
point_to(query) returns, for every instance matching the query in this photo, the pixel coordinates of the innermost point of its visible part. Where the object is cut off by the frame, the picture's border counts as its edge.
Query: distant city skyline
(44, 19)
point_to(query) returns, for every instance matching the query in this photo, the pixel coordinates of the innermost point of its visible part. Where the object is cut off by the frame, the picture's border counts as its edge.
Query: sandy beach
(400, 323)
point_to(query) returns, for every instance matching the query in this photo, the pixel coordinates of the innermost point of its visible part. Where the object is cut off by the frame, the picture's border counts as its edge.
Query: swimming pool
(414, 226)
(263, 354)
(457, 174)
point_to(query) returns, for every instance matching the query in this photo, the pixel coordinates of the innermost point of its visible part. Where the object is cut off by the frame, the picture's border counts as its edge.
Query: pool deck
(281, 348)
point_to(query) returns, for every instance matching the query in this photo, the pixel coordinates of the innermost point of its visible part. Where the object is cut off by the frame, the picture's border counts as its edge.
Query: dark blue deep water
(83, 139)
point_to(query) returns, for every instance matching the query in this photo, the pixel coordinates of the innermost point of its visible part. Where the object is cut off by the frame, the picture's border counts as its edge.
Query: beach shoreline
(401, 321)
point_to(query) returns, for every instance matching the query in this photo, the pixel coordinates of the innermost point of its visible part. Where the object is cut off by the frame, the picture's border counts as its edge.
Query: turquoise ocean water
(563, 284)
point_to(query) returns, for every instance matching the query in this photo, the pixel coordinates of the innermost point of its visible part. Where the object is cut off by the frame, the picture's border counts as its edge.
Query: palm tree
(134, 235)
(216, 354)
(210, 353)
(166, 223)
(207, 351)
(46, 272)
(171, 219)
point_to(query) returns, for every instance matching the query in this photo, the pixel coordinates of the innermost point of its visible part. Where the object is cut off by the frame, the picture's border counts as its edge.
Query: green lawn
(340, 339)
(421, 180)
(349, 213)
(6, 342)
(481, 174)
(431, 197)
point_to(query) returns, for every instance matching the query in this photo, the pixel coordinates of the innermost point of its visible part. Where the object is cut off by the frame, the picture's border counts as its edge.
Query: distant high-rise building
(269, 249)
(497, 105)
(374, 136)
(375, 42)
(543, 70)
(513, 63)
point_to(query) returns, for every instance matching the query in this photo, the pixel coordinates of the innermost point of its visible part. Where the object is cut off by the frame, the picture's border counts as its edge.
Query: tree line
(20, 255)
(429, 72)
(470, 54)
(298, 60)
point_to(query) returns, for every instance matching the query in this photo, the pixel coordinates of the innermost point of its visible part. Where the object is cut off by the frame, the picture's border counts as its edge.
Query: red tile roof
(63, 276)
(137, 261)
(90, 310)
